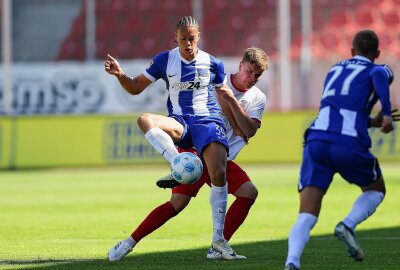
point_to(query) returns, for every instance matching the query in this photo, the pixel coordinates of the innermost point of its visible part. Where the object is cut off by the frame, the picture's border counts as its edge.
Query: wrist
(120, 75)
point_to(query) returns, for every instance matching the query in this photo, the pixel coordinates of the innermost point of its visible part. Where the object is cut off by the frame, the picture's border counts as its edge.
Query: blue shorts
(322, 159)
(200, 131)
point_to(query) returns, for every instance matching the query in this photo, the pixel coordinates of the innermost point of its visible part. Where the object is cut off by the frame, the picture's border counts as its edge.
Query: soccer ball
(187, 168)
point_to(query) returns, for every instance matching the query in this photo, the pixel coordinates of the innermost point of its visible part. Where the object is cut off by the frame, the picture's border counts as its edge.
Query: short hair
(256, 56)
(366, 42)
(187, 21)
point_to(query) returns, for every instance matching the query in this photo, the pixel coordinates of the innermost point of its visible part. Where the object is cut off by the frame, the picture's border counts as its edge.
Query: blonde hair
(256, 56)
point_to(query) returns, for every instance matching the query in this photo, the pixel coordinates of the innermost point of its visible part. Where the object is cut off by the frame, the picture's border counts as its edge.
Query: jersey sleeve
(389, 72)
(220, 76)
(257, 107)
(380, 79)
(157, 67)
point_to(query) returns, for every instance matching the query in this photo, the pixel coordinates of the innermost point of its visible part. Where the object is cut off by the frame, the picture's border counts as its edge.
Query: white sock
(299, 236)
(162, 142)
(363, 207)
(131, 242)
(218, 202)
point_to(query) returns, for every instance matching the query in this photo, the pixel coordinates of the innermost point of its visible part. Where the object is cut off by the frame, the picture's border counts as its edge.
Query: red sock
(236, 214)
(154, 220)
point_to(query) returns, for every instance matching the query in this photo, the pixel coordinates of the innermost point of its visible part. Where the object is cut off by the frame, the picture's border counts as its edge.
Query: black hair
(366, 42)
(187, 21)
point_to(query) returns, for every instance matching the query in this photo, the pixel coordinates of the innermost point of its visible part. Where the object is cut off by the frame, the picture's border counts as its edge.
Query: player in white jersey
(190, 75)
(248, 115)
(338, 142)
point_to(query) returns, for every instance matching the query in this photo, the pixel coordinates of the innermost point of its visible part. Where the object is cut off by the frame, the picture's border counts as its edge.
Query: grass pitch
(69, 219)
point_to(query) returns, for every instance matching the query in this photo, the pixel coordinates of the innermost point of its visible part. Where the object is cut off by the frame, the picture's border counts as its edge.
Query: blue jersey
(351, 89)
(190, 84)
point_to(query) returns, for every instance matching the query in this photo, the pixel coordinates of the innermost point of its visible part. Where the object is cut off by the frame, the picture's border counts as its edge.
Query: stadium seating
(141, 28)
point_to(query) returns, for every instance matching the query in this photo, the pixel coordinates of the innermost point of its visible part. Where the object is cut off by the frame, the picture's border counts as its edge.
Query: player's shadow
(381, 246)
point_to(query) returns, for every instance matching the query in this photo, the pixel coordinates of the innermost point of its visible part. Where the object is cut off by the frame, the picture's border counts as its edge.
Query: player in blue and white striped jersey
(338, 142)
(194, 120)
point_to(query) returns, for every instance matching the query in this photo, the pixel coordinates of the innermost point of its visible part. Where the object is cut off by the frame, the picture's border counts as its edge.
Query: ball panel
(187, 168)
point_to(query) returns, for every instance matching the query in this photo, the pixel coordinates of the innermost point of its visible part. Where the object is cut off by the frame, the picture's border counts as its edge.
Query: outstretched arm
(134, 86)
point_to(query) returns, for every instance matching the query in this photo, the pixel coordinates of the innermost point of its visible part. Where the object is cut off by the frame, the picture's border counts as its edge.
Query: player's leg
(158, 217)
(240, 185)
(239, 209)
(214, 156)
(209, 139)
(366, 173)
(366, 204)
(162, 132)
(310, 205)
(315, 178)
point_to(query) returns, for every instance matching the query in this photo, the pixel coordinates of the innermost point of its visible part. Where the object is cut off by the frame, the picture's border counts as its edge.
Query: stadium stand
(137, 29)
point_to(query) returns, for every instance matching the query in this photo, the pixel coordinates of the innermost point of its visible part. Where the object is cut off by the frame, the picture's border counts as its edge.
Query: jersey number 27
(337, 70)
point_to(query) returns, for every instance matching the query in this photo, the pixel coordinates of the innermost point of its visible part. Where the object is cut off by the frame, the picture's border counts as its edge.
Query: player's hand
(387, 124)
(112, 66)
(395, 116)
(378, 118)
(225, 93)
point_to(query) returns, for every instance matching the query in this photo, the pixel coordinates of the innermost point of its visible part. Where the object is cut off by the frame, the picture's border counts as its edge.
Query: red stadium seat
(341, 18)
(144, 5)
(334, 42)
(248, 3)
(131, 25)
(107, 24)
(122, 47)
(72, 49)
(391, 18)
(237, 23)
(170, 4)
(366, 17)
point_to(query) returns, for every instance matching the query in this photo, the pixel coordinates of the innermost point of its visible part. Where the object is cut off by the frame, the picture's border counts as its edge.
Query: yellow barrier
(31, 142)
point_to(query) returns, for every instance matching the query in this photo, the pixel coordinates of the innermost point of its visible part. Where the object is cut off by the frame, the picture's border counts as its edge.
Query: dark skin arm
(385, 123)
(134, 86)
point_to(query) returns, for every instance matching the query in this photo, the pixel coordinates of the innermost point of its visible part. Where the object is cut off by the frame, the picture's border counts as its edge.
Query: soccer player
(248, 116)
(338, 142)
(190, 75)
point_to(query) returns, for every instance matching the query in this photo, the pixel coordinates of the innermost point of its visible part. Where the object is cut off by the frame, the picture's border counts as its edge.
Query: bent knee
(179, 206)
(247, 190)
(253, 193)
(145, 121)
(218, 176)
(179, 202)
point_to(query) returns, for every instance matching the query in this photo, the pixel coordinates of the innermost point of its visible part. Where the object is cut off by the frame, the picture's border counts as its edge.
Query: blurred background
(59, 108)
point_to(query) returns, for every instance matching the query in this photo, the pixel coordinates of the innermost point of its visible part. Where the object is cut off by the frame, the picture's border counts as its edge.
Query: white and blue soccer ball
(187, 168)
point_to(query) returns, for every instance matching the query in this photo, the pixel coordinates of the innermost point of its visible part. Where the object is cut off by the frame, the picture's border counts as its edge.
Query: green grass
(69, 219)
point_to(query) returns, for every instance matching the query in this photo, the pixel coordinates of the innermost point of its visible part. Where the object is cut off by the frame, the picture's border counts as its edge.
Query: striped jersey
(351, 89)
(190, 84)
(253, 103)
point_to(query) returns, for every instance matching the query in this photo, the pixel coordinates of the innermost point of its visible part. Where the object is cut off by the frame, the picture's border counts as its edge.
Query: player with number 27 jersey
(337, 142)
(351, 89)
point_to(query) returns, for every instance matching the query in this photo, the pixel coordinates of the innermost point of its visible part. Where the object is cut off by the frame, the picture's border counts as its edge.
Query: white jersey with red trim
(253, 102)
